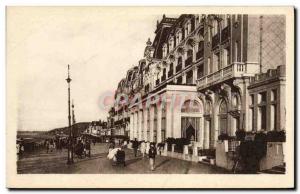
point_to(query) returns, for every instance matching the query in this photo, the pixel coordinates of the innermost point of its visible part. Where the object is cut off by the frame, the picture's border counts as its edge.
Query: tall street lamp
(70, 146)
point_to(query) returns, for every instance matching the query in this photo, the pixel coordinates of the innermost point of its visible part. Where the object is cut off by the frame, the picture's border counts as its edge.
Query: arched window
(191, 106)
(189, 53)
(223, 117)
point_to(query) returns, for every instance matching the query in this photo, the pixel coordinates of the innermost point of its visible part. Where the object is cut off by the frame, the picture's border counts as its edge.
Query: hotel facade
(202, 76)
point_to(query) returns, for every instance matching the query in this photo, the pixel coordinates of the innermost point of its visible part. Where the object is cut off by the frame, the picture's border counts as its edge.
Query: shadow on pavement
(162, 163)
(131, 161)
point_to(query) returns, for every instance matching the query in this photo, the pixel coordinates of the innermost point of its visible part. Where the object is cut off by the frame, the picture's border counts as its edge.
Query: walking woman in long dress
(143, 148)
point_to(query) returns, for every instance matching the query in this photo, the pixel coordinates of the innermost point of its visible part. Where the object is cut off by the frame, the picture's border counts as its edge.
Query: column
(151, 123)
(134, 125)
(184, 78)
(168, 120)
(159, 123)
(177, 122)
(145, 124)
(131, 127)
(195, 75)
(281, 108)
(194, 53)
(206, 134)
(140, 125)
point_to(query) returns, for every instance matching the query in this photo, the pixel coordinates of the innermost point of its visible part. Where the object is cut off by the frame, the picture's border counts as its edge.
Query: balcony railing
(234, 70)
(200, 54)
(179, 67)
(189, 61)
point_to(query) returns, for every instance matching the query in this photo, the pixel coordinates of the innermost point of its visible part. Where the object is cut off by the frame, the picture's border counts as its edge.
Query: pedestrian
(135, 146)
(18, 151)
(88, 148)
(147, 147)
(51, 145)
(46, 144)
(152, 154)
(143, 148)
(125, 144)
(111, 146)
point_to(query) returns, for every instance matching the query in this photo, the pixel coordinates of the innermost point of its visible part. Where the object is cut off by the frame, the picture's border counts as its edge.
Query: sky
(99, 44)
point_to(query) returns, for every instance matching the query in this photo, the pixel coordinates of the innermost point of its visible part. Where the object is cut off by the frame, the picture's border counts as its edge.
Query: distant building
(97, 128)
(197, 78)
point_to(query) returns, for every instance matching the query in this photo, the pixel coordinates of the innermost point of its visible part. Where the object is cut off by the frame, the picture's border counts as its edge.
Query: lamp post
(70, 146)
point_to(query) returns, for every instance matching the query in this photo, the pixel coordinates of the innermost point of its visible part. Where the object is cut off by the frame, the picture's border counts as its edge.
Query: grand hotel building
(219, 74)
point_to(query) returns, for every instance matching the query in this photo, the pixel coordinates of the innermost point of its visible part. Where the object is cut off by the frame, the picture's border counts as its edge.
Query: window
(178, 37)
(170, 72)
(216, 61)
(251, 99)
(262, 97)
(236, 44)
(189, 77)
(274, 95)
(191, 106)
(179, 80)
(226, 57)
(200, 45)
(209, 65)
(223, 117)
(189, 59)
(262, 118)
(200, 71)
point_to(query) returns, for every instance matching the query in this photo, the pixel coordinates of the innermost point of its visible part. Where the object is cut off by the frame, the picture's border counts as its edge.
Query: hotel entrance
(191, 117)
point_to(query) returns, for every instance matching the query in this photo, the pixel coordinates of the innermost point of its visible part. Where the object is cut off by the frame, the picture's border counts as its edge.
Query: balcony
(225, 34)
(235, 70)
(199, 54)
(179, 67)
(189, 61)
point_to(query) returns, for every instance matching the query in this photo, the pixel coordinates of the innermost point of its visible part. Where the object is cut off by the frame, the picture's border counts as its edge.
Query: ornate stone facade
(195, 78)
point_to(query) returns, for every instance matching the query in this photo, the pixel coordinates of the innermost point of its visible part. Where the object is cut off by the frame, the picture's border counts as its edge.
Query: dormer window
(189, 27)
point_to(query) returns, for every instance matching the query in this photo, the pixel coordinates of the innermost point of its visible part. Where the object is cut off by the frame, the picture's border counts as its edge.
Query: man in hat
(152, 154)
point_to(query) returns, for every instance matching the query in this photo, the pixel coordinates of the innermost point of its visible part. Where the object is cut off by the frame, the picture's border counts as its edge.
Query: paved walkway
(55, 162)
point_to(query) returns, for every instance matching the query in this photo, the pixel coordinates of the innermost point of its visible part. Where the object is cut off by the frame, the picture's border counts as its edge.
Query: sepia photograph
(204, 93)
